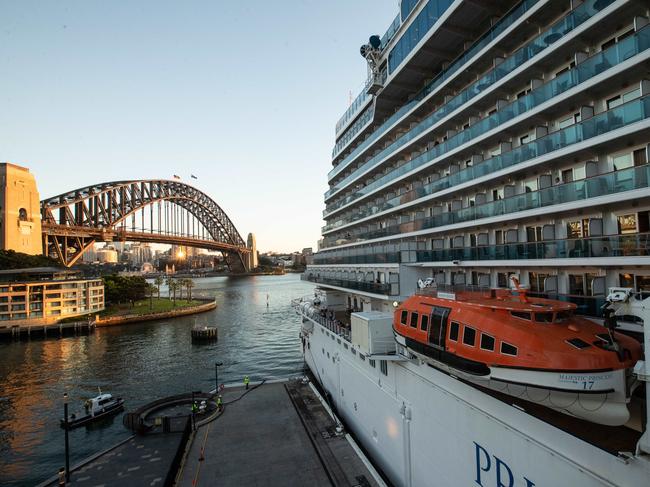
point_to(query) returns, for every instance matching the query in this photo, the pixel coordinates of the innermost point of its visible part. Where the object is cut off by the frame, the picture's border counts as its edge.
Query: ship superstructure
(495, 139)
(492, 141)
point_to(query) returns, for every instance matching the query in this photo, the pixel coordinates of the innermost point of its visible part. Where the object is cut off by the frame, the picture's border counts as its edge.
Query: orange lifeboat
(532, 348)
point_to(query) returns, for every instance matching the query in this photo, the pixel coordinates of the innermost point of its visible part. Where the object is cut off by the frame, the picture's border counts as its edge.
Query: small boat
(532, 348)
(96, 408)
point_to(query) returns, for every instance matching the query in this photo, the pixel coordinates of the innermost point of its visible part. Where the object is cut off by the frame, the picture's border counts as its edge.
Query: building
(43, 295)
(253, 258)
(20, 210)
(107, 255)
(517, 147)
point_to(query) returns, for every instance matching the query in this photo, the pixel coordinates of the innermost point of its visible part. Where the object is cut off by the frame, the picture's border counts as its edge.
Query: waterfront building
(491, 141)
(20, 210)
(43, 295)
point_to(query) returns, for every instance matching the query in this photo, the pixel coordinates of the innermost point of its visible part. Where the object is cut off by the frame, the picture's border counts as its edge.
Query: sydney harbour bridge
(160, 211)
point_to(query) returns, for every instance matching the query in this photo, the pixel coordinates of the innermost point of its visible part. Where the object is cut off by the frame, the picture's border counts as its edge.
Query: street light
(67, 445)
(216, 376)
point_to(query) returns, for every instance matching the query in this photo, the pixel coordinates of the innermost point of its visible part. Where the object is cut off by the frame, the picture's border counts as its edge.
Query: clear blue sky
(244, 94)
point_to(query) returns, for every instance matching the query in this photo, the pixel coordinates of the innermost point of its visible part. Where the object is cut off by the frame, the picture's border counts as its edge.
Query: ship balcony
(378, 289)
(557, 143)
(450, 74)
(539, 47)
(604, 185)
(632, 245)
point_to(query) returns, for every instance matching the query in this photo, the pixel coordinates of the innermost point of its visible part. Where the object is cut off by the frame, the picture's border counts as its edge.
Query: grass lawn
(142, 307)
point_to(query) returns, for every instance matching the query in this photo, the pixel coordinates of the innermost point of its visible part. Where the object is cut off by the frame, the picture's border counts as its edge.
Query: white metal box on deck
(372, 332)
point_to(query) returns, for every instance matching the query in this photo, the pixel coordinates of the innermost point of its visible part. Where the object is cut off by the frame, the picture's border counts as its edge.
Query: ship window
(362, 357)
(507, 349)
(544, 317)
(524, 315)
(345, 345)
(372, 363)
(383, 366)
(404, 317)
(424, 323)
(469, 336)
(354, 351)
(487, 342)
(578, 343)
(453, 331)
(414, 320)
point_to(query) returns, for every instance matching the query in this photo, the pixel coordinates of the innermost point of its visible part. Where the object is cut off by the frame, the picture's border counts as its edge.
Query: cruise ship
(499, 146)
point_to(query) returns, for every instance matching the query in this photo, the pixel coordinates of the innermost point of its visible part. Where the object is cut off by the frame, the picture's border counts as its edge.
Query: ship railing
(460, 291)
(320, 316)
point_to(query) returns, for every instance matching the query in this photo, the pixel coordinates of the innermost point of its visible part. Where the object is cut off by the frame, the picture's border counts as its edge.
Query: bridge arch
(162, 211)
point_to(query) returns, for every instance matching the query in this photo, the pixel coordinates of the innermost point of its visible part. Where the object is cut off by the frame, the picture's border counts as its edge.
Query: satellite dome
(375, 41)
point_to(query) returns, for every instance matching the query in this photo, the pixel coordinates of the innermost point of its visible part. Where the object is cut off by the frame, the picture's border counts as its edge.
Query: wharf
(274, 434)
(17, 332)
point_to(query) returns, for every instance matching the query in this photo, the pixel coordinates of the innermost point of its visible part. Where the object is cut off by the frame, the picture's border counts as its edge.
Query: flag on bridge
(176, 176)
(193, 176)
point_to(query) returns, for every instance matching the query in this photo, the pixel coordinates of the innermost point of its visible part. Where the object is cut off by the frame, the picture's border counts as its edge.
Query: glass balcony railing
(601, 246)
(584, 189)
(369, 287)
(356, 258)
(600, 124)
(586, 305)
(444, 75)
(574, 19)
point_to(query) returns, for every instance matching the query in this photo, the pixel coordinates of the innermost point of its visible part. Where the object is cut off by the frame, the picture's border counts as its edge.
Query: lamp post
(216, 376)
(67, 444)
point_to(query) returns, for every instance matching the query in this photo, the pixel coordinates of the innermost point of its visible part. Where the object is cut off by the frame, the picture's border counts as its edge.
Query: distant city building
(20, 210)
(251, 244)
(43, 295)
(107, 255)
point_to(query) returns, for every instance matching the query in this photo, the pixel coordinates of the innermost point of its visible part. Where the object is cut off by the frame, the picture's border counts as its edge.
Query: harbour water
(139, 362)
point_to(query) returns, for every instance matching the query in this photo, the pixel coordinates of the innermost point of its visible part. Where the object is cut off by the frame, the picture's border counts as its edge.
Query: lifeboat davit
(532, 348)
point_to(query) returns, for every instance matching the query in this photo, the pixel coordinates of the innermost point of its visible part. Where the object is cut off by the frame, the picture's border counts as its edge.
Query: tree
(151, 289)
(120, 289)
(189, 284)
(181, 283)
(173, 286)
(158, 281)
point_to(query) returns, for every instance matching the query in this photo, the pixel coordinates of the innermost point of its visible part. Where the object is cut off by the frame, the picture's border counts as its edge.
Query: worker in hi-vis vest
(246, 381)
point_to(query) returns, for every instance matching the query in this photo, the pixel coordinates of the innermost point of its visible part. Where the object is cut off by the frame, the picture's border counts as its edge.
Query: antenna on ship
(372, 54)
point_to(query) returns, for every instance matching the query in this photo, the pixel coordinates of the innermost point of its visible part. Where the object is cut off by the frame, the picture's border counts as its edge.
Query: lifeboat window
(414, 320)
(453, 331)
(424, 322)
(469, 336)
(524, 315)
(544, 317)
(404, 318)
(507, 349)
(578, 343)
(487, 342)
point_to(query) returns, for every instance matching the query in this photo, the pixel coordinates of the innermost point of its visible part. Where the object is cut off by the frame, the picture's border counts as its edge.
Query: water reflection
(139, 362)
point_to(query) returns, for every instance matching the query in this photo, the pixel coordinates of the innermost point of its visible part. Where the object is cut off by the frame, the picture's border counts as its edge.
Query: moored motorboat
(531, 348)
(96, 408)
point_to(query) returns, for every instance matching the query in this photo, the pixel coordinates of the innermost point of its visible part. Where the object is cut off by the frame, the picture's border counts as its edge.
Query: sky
(243, 94)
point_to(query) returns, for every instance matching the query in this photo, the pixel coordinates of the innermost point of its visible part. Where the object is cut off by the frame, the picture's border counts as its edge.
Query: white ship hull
(423, 427)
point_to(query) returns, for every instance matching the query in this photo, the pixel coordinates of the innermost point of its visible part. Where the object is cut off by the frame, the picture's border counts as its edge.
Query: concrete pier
(277, 434)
